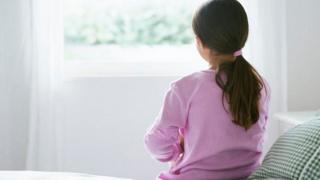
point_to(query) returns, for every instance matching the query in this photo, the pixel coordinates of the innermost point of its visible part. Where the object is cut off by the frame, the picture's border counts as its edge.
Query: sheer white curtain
(45, 116)
(15, 54)
(30, 54)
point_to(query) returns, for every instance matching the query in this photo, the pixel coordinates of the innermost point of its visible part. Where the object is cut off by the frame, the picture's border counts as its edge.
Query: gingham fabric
(294, 156)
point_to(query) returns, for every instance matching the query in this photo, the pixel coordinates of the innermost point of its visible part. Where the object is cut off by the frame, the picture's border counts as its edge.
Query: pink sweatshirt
(214, 147)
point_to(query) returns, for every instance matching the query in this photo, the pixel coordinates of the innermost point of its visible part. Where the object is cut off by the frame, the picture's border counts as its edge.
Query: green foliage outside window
(143, 26)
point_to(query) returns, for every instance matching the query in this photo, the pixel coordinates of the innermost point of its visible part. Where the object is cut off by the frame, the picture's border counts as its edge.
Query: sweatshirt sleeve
(162, 138)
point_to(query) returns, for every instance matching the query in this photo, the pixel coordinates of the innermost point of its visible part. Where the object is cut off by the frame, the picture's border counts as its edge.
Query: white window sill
(82, 69)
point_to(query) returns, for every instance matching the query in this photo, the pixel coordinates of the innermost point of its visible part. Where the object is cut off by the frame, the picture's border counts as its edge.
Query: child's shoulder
(191, 80)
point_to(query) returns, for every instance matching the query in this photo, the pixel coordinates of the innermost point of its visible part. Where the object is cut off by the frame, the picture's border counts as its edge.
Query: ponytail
(241, 88)
(223, 27)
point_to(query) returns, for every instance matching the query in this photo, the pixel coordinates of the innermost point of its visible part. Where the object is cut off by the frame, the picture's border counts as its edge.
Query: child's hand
(181, 142)
(181, 139)
(173, 163)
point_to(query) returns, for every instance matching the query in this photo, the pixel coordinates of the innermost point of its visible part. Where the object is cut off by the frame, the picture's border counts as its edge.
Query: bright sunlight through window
(129, 37)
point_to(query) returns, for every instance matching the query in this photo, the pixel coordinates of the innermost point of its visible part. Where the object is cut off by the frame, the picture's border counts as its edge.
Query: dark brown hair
(222, 26)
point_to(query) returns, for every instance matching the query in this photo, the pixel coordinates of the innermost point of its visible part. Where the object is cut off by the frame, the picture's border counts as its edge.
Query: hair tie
(237, 53)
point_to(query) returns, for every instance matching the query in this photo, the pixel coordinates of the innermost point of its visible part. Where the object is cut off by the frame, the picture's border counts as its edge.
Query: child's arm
(163, 138)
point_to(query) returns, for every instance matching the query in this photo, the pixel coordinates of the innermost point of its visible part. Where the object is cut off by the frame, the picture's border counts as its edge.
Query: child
(213, 122)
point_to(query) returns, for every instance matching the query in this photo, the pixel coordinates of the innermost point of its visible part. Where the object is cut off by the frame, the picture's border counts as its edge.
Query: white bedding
(36, 175)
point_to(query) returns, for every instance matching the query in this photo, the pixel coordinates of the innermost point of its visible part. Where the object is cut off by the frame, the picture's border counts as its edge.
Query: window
(129, 37)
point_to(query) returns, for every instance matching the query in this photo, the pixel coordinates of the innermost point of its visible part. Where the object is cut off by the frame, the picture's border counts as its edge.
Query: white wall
(303, 28)
(105, 124)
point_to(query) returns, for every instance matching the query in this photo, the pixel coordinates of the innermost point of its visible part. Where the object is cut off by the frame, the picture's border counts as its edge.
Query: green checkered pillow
(295, 155)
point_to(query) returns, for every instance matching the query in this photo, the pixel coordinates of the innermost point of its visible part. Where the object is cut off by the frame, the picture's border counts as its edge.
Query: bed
(39, 175)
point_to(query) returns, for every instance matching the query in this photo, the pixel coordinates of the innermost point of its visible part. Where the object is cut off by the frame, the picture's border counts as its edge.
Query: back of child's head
(222, 26)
